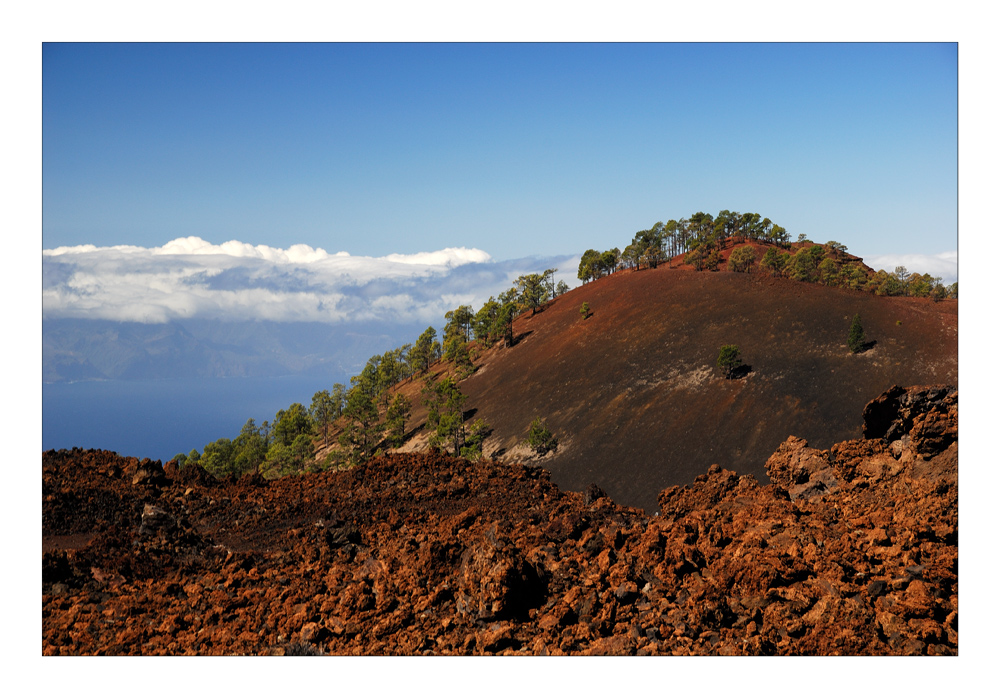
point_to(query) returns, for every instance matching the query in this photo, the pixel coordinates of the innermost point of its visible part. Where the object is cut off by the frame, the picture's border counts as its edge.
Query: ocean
(159, 418)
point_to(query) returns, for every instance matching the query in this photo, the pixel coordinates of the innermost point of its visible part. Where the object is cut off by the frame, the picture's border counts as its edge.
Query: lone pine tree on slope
(856, 336)
(729, 359)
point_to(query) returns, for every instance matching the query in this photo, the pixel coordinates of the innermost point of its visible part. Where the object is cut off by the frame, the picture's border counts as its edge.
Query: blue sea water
(158, 419)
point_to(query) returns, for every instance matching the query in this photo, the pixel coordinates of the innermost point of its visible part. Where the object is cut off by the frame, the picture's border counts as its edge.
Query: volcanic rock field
(847, 550)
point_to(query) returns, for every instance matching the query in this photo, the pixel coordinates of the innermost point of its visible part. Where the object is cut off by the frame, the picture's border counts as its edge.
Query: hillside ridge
(636, 382)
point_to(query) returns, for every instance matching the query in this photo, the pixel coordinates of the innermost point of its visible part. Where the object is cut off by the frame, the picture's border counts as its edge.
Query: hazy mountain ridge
(75, 349)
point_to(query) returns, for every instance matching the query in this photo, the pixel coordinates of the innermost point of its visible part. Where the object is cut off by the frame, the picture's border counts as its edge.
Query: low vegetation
(369, 417)
(540, 438)
(729, 360)
(700, 237)
(271, 448)
(702, 241)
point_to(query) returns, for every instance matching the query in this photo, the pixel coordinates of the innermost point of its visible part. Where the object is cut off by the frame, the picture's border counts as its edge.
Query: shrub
(804, 264)
(829, 272)
(712, 260)
(742, 259)
(854, 276)
(457, 350)
(694, 258)
(302, 649)
(395, 421)
(473, 448)
(285, 460)
(445, 413)
(585, 310)
(217, 458)
(336, 459)
(703, 257)
(729, 359)
(774, 261)
(540, 438)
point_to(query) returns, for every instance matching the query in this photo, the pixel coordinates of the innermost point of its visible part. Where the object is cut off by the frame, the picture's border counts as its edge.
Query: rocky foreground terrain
(851, 550)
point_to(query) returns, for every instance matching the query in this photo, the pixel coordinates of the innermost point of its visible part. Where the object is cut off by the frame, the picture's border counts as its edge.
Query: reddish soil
(635, 397)
(851, 550)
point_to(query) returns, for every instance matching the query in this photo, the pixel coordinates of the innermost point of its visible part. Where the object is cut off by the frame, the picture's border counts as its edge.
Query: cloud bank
(944, 264)
(236, 281)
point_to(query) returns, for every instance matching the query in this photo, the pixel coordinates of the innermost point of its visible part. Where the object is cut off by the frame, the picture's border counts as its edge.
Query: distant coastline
(158, 418)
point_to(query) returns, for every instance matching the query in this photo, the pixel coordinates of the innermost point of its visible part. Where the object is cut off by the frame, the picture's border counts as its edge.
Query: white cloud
(191, 278)
(944, 264)
(449, 257)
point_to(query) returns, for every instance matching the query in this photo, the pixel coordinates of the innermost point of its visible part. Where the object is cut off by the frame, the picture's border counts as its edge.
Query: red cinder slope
(638, 404)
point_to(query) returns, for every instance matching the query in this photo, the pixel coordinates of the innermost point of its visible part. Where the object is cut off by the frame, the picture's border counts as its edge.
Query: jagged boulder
(919, 426)
(803, 471)
(190, 474)
(149, 473)
(156, 521)
(495, 581)
(870, 459)
(928, 414)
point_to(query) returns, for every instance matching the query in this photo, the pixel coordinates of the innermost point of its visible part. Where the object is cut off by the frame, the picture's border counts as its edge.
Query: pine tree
(478, 431)
(445, 413)
(729, 359)
(540, 439)
(395, 421)
(856, 336)
(363, 429)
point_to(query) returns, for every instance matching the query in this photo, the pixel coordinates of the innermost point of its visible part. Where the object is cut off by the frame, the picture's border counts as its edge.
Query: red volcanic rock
(850, 550)
(191, 475)
(803, 471)
(495, 581)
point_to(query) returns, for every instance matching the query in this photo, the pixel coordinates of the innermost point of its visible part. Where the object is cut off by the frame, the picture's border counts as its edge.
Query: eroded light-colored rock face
(851, 550)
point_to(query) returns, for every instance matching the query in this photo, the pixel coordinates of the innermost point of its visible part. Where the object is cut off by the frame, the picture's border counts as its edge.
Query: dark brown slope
(638, 404)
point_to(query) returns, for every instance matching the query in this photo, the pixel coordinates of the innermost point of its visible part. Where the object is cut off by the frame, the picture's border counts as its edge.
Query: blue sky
(513, 149)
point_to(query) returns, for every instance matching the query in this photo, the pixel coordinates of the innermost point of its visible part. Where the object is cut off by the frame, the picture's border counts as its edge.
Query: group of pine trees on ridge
(664, 241)
(370, 416)
(701, 238)
(829, 265)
